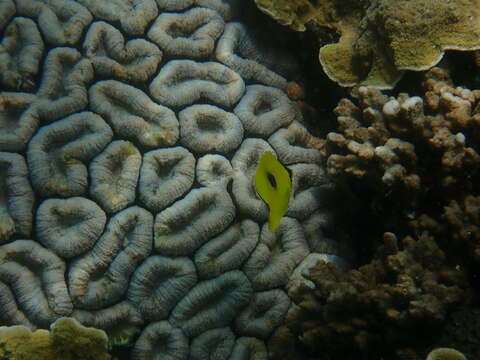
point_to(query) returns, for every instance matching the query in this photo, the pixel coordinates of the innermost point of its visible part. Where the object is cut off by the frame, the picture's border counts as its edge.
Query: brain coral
(129, 136)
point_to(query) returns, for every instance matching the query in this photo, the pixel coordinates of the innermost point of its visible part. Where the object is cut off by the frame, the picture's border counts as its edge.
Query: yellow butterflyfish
(273, 184)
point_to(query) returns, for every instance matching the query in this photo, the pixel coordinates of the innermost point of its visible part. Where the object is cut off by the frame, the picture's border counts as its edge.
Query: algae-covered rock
(292, 13)
(381, 38)
(67, 340)
(445, 354)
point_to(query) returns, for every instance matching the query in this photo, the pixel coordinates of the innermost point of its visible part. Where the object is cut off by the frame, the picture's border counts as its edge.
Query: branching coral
(401, 289)
(416, 160)
(416, 153)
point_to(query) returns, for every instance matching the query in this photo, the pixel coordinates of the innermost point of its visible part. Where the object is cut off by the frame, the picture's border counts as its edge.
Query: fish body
(274, 185)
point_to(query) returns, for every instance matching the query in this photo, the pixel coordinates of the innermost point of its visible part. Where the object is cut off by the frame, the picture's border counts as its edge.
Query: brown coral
(399, 291)
(412, 152)
(416, 161)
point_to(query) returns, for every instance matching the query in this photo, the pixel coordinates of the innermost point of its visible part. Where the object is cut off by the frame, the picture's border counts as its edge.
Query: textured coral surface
(415, 162)
(381, 38)
(66, 340)
(419, 157)
(129, 136)
(379, 304)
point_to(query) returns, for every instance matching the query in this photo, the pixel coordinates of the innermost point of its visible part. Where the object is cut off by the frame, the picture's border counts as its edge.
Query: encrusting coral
(139, 125)
(67, 340)
(379, 39)
(16, 197)
(416, 161)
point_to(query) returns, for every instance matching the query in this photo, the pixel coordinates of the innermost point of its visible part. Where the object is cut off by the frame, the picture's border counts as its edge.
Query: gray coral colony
(130, 132)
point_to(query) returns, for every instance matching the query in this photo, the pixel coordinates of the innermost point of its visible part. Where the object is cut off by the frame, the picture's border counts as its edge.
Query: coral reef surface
(379, 39)
(129, 136)
(406, 287)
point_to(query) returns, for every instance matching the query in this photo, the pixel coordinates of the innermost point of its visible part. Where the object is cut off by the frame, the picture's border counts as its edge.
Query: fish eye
(271, 180)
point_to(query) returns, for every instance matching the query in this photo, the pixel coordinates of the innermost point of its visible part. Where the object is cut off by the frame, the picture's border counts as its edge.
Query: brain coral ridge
(61, 22)
(27, 268)
(17, 198)
(135, 60)
(20, 53)
(192, 33)
(130, 132)
(182, 82)
(18, 120)
(114, 175)
(100, 277)
(63, 89)
(58, 153)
